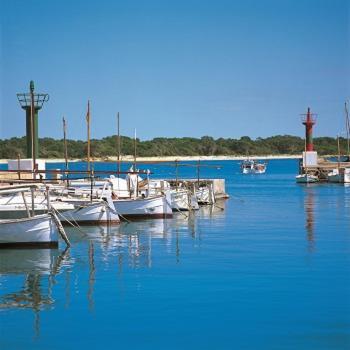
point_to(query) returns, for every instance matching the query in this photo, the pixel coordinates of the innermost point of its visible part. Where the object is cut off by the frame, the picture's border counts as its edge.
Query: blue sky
(176, 68)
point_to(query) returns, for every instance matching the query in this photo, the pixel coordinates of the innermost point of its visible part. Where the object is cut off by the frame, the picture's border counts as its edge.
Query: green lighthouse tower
(32, 102)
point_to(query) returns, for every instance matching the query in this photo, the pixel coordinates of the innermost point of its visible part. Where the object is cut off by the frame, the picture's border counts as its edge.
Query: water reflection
(28, 277)
(309, 207)
(36, 269)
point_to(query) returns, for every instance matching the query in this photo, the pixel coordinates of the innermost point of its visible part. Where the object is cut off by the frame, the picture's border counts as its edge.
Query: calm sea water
(270, 271)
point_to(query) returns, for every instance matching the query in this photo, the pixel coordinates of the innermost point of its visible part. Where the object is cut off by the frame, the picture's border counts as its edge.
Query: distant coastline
(169, 158)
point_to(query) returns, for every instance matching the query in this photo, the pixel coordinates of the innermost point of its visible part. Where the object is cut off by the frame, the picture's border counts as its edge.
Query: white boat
(35, 230)
(84, 212)
(339, 175)
(306, 178)
(95, 213)
(251, 166)
(40, 230)
(148, 207)
(180, 200)
(20, 210)
(205, 195)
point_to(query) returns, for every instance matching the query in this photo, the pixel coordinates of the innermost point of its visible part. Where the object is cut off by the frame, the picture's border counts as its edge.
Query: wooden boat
(40, 230)
(82, 213)
(33, 231)
(148, 207)
(251, 166)
(95, 213)
(205, 195)
(306, 178)
(20, 210)
(180, 200)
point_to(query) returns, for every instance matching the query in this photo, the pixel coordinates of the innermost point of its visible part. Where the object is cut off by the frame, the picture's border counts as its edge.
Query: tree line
(184, 146)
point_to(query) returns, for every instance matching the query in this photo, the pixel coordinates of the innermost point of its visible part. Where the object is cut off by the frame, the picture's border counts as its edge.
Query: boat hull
(90, 214)
(158, 207)
(180, 201)
(205, 195)
(306, 179)
(339, 176)
(38, 231)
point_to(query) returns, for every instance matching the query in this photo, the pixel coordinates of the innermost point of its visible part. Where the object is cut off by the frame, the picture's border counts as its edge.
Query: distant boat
(306, 178)
(251, 166)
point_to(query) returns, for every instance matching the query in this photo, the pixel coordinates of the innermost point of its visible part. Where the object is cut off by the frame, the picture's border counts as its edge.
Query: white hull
(180, 200)
(90, 214)
(205, 195)
(38, 230)
(19, 211)
(151, 207)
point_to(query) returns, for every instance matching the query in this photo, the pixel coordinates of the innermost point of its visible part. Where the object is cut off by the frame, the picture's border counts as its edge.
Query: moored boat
(180, 200)
(96, 213)
(34, 230)
(40, 230)
(205, 195)
(306, 178)
(148, 207)
(339, 175)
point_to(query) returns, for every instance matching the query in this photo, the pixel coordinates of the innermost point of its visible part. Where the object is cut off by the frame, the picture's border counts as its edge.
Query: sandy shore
(172, 158)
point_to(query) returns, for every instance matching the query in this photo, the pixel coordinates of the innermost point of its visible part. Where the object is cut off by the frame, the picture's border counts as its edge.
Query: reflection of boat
(19, 261)
(251, 166)
(306, 178)
(309, 205)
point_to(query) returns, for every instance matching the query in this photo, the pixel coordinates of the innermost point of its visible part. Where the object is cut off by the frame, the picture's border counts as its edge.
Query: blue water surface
(270, 271)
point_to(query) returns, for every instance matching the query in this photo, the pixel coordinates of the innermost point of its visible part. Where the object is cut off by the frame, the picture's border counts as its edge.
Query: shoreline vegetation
(171, 149)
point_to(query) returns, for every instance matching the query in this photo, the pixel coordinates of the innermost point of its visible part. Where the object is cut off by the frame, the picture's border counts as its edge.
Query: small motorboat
(251, 166)
(306, 178)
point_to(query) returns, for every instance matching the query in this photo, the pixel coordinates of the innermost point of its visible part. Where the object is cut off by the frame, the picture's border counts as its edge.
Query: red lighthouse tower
(309, 120)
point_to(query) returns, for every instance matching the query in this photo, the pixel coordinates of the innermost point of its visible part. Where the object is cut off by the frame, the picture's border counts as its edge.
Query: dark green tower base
(29, 133)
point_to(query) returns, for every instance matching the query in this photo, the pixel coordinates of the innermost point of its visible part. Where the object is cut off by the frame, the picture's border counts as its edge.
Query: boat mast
(198, 169)
(338, 152)
(65, 145)
(347, 127)
(88, 135)
(135, 150)
(118, 142)
(32, 121)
